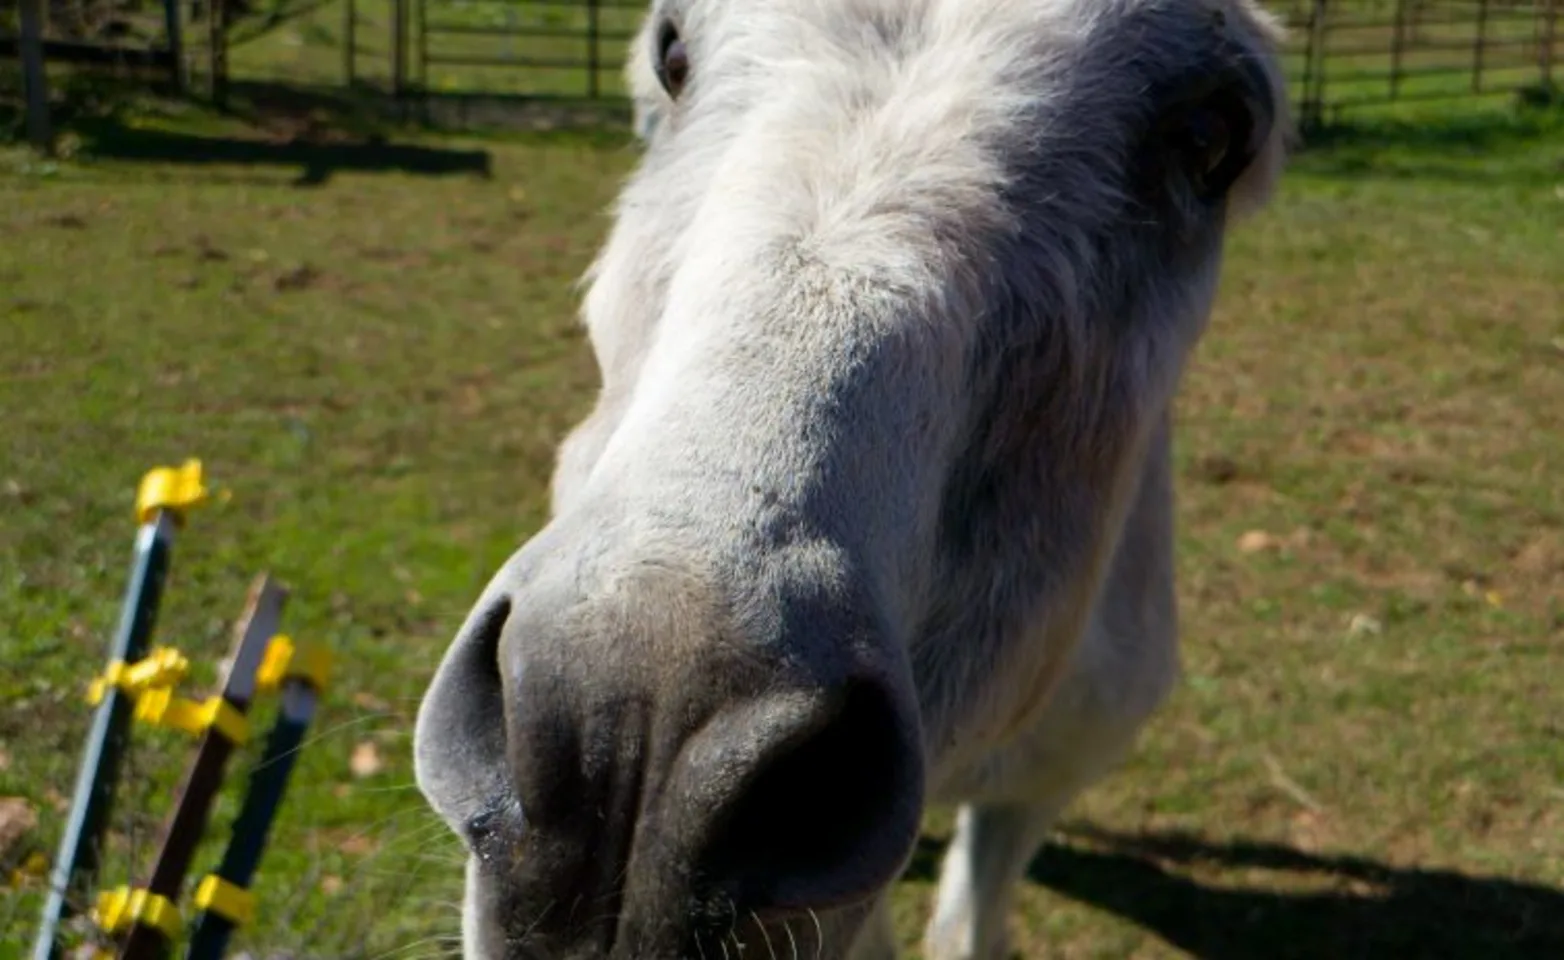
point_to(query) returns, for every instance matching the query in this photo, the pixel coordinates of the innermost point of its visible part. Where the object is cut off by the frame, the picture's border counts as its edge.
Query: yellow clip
(120, 909)
(233, 903)
(161, 708)
(285, 659)
(163, 667)
(175, 489)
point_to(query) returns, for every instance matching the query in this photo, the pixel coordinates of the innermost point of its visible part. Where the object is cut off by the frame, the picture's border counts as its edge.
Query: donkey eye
(673, 61)
(1206, 140)
(1213, 141)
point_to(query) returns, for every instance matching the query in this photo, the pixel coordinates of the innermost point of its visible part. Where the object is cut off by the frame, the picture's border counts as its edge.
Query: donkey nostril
(460, 740)
(828, 819)
(486, 644)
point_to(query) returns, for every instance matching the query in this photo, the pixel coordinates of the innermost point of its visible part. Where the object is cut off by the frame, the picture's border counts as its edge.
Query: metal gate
(531, 49)
(1349, 55)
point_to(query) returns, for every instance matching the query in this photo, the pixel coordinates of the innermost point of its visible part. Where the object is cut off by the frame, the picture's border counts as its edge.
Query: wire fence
(1350, 55)
(134, 39)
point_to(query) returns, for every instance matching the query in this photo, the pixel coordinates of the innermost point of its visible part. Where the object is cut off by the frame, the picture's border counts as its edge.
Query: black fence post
(34, 79)
(176, 45)
(301, 692)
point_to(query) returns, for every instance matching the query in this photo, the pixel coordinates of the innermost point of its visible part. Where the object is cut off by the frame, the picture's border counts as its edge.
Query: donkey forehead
(905, 139)
(803, 112)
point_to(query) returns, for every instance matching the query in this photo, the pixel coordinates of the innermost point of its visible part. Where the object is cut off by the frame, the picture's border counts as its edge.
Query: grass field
(373, 348)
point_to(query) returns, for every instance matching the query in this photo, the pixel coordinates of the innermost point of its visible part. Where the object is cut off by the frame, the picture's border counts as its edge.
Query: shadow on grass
(1348, 907)
(111, 140)
(366, 109)
(323, 131)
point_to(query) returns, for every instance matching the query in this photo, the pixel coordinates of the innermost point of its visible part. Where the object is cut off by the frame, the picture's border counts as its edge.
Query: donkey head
(888, 310)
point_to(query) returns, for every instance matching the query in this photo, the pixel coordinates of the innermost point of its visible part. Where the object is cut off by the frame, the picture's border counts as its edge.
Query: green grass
(1366, 757)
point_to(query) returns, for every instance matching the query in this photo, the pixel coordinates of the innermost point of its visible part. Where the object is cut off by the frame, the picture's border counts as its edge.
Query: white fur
(923, 210)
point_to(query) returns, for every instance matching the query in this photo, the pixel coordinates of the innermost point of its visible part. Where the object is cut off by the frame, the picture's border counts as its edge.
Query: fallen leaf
(1538, 557)
(330, 884)
(369, 701)
(359, 845)
(1361, 624)
(35, 865)
(366, 760)
(5, 760)
(1216, 470)
(1254, 541)
(17, 820)
(299, 278)
(57, 800)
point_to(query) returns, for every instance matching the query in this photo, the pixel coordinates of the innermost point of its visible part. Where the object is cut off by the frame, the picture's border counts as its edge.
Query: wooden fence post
(422, 70)
(34, 79)
(1479, 45)
(349, 28)
(176, 45)
(398, 47)
(217, 49)
(593, 67)
(1398, 42)
(1312, 105)
(1550, 12)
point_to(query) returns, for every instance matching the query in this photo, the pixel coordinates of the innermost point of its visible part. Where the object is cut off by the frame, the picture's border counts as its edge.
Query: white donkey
(875, 507)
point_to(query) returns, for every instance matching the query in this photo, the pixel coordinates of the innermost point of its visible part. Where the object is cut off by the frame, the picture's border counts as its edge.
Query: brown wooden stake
(194, 799)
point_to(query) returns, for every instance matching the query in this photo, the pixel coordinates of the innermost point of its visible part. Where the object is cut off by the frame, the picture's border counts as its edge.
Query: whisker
(397, 788)
(532, 926)
(437, 940)
(771, 951)
(317, 737)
